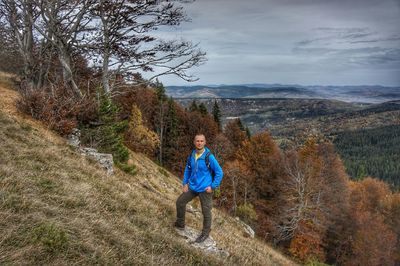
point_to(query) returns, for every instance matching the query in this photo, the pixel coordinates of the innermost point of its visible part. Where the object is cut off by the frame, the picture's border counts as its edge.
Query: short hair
(199, 134)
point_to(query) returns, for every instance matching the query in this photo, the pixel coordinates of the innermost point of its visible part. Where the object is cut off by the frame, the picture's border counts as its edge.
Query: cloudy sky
(307, 42)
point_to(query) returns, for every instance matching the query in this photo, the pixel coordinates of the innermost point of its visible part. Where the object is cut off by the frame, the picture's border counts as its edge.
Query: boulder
(104, 159)
(74, 139)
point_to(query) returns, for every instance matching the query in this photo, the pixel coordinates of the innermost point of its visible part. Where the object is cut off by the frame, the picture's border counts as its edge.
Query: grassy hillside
(60, 208)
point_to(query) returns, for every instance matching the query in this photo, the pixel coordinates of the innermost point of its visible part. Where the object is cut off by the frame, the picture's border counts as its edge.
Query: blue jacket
(198, 176)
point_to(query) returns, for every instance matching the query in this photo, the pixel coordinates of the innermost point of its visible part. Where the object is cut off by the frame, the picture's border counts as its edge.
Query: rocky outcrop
(104, 159)
(74, 139)
(246, 228)
(208, 246)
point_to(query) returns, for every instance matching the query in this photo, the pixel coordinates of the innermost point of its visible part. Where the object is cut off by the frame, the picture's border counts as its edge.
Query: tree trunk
(105, 74)
(106, 55)
(67, 72)
(161, 134)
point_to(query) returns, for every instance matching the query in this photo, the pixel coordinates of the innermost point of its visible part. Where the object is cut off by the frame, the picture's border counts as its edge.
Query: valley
(291, 121)
(292, 118)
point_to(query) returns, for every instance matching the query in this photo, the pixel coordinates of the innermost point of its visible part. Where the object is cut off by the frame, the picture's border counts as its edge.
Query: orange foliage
(139, 137)
(235, 185)
(57, 107)
(307, 243)
(391, 211)
(234, 133)
(315, 201)
(262, 157)
(374, 241)
(221, 147)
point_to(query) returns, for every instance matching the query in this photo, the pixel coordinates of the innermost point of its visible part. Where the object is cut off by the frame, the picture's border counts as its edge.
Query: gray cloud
(388, 39)
(302, 41)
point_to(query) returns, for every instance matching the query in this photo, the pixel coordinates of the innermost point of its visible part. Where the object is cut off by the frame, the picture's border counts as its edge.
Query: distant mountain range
(367, 94)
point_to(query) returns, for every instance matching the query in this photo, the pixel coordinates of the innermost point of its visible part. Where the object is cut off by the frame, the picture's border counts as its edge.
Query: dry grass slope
(59, 208)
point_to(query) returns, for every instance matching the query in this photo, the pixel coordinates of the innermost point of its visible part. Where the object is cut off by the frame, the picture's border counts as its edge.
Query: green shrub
(52, 238)
(130, 169)
(217, 192)
(247, 213)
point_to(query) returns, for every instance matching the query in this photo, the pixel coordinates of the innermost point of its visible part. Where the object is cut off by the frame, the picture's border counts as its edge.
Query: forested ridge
(372, 152)
(301, 200)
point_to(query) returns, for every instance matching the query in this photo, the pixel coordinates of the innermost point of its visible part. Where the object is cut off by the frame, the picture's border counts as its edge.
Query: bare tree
(121, 34)
(64, 25)
(124, 43)
(303, 194)
(161, 117)
(20, 16)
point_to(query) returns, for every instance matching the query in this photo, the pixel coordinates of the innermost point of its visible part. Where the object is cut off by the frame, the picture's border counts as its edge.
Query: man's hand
(185, 188)
(208, 190)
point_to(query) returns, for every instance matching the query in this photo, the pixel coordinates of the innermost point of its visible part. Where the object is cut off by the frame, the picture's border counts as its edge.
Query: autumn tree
(235, 133)
(315, 201)
(139, 137)
(222, 148)
(373, 241)
(303, 190)
(236, 185)
(262, 157)
(390, 208)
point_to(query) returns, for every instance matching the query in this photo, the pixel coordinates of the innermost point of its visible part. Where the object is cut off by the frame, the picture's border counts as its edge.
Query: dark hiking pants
(206, 206)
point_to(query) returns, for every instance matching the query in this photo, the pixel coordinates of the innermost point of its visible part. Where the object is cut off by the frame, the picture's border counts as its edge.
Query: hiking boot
(179, 226)
(201, 238)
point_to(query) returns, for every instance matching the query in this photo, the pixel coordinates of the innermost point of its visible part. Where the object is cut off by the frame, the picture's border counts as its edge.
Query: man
(198, 180)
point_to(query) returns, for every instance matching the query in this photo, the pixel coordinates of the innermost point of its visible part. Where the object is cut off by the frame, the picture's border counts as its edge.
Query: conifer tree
(240, 124)
(171, 132)
(203, 109)
(217, 115)
(107, 137)
(248, 133)
(193, 107)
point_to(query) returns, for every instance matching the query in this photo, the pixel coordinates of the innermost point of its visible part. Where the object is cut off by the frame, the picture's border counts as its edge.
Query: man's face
(199, 142)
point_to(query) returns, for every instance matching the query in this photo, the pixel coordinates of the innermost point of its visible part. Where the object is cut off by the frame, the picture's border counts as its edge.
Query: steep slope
(60, 208)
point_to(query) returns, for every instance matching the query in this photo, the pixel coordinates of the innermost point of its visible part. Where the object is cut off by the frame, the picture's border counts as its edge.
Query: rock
(104, 159)
(149, 187)
(191, 209)
(208, 246)
(247, 229)
(74, 138)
